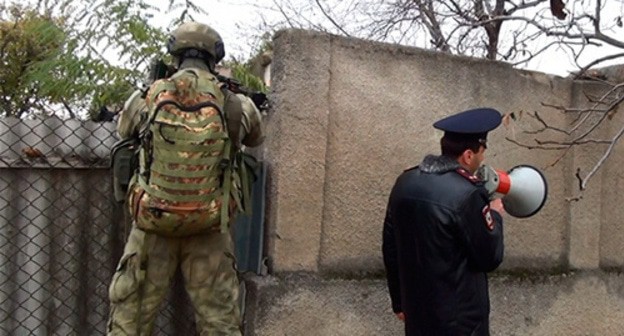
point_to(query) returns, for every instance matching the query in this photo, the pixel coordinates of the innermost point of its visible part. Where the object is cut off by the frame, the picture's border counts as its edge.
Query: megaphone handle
(504, 182)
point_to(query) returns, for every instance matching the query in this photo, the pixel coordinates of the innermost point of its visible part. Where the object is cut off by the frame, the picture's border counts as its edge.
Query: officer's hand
(497, 205)
(401, 316)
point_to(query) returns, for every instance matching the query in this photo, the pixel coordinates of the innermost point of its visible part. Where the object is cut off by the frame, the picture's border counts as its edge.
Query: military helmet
(197, 36)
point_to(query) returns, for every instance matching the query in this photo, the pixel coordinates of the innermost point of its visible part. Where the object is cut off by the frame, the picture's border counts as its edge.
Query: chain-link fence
(61, 234)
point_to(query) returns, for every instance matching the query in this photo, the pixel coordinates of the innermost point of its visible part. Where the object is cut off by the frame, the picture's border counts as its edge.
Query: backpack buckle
(224, 164)
(155, 212)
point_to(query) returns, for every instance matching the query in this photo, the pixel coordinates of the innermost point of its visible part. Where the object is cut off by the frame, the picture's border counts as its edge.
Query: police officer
(207, 262)
(442, 234)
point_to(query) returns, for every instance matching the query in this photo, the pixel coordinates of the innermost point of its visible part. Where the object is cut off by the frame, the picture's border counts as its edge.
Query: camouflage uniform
(131, 115)
(206, 260)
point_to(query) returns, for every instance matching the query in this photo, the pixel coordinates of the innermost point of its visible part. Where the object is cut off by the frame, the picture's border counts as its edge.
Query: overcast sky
(237, 22)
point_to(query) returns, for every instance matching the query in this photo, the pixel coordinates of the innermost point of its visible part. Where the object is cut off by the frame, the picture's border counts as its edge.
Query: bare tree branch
(607, 153)
(339, 27)
(545, 126)
(69, 109)
(535, 146)
(596, 62)
(523, 5)
(431, 22)
(611, 106)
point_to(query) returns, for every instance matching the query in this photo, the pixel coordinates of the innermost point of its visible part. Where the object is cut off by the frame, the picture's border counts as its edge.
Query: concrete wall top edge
(372, 46)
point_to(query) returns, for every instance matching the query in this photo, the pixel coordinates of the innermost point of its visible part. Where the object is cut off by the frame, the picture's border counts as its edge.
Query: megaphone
(523, 188)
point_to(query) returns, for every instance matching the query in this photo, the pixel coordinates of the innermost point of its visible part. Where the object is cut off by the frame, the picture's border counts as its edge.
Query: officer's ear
(468, 156)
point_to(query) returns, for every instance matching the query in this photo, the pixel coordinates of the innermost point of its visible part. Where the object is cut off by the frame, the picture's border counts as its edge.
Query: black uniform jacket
(439, 240)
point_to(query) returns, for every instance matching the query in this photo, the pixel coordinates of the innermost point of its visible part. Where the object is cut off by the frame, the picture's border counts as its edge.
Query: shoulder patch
(467, 175)
(487, 217)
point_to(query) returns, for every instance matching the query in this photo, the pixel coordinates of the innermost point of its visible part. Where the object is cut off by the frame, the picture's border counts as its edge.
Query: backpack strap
(227, 189)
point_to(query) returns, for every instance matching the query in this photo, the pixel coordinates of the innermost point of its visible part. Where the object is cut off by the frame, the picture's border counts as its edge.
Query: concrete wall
(350, 115)
(577, 304)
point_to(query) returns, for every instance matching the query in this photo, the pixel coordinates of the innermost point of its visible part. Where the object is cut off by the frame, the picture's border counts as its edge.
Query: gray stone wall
(350, 115)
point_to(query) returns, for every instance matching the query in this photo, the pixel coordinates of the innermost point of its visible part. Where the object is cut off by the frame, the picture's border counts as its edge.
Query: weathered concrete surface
(611, 233)
(350, 115)
(589, 303)
(298, 131)
(578, 304)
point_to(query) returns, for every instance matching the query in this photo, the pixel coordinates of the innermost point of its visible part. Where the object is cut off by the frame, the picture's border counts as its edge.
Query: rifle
(159, 69)
(259, 98)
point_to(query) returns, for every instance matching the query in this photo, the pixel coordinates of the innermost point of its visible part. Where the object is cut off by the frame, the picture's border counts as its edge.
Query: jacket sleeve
(252, 130)
(130, 119)
(391, 262)
(481, 229)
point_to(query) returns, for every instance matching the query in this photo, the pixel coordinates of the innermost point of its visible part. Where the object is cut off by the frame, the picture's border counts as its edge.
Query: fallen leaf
(32, 152)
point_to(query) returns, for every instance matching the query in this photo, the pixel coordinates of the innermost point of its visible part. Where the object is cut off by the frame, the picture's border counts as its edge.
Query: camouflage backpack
(185, 178)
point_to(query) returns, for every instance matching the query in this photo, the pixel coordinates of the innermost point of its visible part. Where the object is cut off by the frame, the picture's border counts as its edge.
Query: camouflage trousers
(147, 268)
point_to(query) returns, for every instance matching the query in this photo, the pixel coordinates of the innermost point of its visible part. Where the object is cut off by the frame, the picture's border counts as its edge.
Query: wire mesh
(61, 233)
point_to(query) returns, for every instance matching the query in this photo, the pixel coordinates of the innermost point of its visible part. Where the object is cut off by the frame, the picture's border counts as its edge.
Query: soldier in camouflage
(206, 259)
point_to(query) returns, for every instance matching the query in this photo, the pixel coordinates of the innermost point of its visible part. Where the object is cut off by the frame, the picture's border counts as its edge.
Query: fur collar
(438, 164)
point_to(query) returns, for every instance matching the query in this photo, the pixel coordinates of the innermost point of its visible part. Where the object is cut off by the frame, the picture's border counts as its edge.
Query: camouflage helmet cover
(193, 35)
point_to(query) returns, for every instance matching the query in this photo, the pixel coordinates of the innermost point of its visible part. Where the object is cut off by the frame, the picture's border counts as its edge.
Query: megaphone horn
(523, 188)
